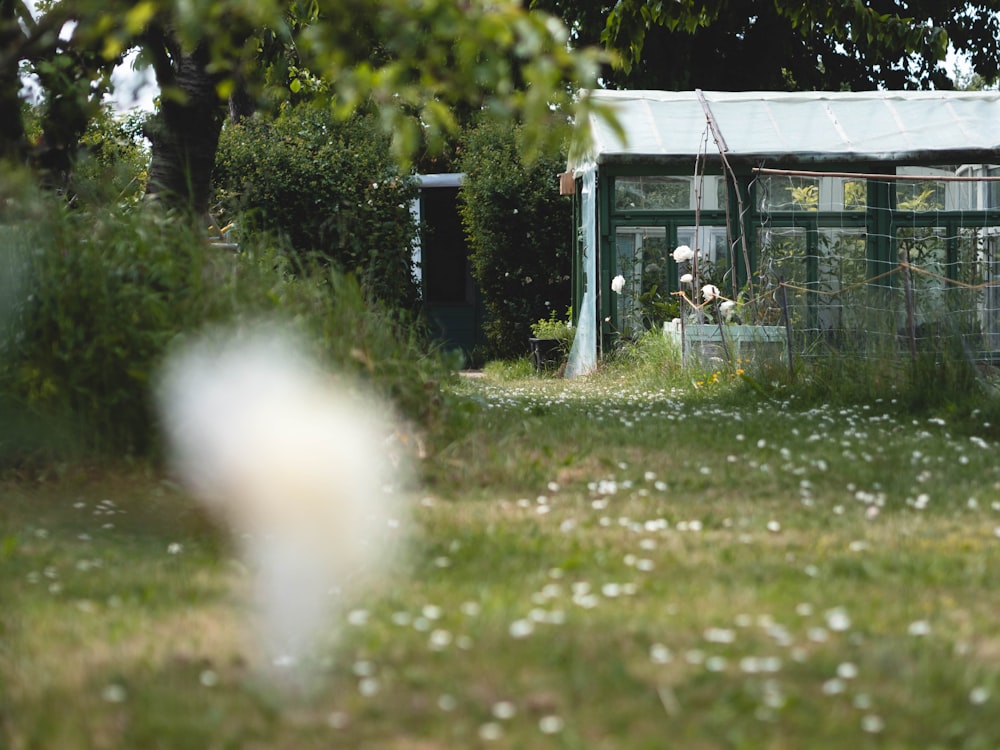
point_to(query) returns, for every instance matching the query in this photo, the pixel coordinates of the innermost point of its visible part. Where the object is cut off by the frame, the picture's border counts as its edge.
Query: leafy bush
(554, 327)
(102, 295)
(112, 165)
(330, 188)
(519, 229)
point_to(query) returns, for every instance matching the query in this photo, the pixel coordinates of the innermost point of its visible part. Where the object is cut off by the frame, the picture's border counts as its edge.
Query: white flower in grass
(551, 724)
(687, 278)
(727, 309)
(834, 686)
(847, 670)
(208, 678)
(838, 620)
(521, 628)
(872, 724)
(683, 253)
(114, 693)
(490, 731)
(504, 710)
(709, 292)
(617, 284)
(660, 654)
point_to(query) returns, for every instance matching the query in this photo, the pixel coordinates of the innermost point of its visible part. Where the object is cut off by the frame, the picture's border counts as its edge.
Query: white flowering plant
(707, 291)
(705, 297)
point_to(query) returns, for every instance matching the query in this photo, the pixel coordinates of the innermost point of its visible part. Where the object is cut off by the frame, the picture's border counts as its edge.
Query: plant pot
(546, 354)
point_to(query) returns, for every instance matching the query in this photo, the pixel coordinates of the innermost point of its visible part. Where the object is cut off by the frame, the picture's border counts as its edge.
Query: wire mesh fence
(841, 270)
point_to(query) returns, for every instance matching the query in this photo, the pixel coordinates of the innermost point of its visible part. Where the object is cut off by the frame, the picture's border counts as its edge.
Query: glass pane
(643, 260)
(920, 195)
(842, 258)
(710, 242)
(789, 193)
(964, 196)
(670, 193)
(855, 195)
(722, 192)
(714, 264)
(783, 258)
(987, 248)
(782, 254)
(841, 270)
(926, 250)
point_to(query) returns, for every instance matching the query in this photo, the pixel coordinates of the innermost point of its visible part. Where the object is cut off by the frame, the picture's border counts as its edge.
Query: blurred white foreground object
(295, 464)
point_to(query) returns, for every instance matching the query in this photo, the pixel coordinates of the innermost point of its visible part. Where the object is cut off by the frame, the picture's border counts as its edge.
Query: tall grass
(874, 365)
(101, 295)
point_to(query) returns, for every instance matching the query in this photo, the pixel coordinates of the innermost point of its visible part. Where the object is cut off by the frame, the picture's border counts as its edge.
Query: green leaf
(139, 15)
(8, 547)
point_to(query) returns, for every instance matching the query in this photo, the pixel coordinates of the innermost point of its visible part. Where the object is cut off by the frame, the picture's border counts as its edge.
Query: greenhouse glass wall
(838, 214)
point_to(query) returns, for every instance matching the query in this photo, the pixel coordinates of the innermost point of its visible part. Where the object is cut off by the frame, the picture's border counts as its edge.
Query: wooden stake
(783, 301)
(911, 324)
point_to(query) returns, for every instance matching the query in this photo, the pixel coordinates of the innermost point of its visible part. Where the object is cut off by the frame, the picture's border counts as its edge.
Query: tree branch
(163, 51)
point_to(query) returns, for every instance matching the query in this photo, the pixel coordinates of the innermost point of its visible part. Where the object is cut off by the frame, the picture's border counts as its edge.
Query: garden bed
(704, 341)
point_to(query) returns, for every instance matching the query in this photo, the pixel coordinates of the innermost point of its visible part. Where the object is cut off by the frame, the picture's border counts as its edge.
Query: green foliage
(509, 369)
(805, 197)
(438, 58)
(554, 327)
(113, 162)
(712, 44)
(519, 229)
(920, 196)
(331, 188)
(103, 294)
(650, 360)
(417, 62)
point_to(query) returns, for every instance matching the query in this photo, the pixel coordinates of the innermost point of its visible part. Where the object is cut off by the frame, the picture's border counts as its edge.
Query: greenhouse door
(451, 297)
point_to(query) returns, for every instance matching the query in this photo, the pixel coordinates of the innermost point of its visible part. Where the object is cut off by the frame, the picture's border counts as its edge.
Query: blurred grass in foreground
(597, 564)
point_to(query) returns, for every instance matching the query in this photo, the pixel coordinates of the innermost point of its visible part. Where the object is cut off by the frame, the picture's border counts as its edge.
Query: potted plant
(550, 341)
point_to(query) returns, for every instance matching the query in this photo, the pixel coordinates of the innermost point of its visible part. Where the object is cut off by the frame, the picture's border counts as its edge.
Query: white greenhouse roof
(799, 127)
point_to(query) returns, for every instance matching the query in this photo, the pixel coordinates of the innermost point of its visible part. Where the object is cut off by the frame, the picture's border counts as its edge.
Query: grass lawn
(593, 565)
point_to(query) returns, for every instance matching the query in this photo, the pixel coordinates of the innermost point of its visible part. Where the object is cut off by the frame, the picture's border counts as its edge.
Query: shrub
(520, 232)
(112, 165)
(330, 188)
(554, 327)
(102, 295)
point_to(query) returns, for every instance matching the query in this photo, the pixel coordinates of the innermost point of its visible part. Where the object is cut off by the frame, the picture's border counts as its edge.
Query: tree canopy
(413, 63)
(785, 44)
(419, 65)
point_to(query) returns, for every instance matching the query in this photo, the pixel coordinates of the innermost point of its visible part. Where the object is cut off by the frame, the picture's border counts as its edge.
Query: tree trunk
(12, 141)
(241, 104)
(185, 136)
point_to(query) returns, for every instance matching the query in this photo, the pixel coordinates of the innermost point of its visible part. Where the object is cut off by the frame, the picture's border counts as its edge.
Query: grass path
(592, 565)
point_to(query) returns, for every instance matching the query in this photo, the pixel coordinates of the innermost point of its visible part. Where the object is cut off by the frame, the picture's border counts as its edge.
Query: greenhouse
(823, 215)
